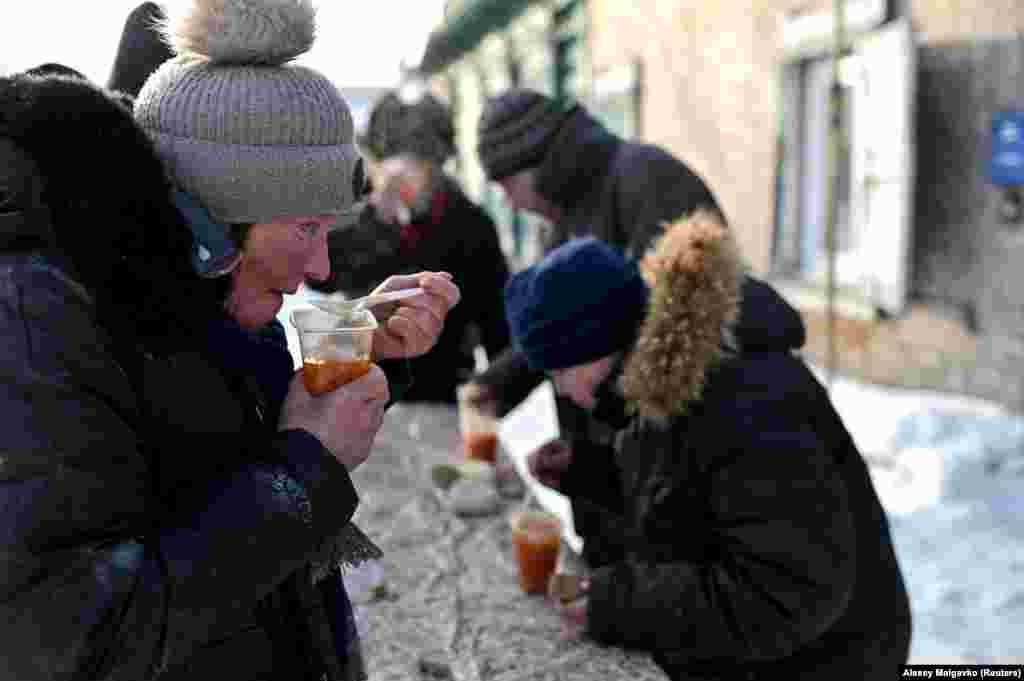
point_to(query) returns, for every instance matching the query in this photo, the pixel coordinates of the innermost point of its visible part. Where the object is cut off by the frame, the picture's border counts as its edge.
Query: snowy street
(950, 471)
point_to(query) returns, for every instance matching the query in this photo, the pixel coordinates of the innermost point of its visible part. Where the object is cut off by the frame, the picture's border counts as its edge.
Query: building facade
(928, 247)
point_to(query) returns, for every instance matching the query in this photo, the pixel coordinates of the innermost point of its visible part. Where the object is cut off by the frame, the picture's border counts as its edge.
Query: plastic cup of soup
(536, 539)
(478, 428)
(335, 349)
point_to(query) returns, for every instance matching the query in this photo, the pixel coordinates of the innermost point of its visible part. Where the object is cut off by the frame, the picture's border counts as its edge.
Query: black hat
(584, 301)
(52, 68)
(141, 50)
(422, 128)
(516, 130)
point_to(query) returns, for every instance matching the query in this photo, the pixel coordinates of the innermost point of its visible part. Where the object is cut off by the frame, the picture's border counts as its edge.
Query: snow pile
(950, 472)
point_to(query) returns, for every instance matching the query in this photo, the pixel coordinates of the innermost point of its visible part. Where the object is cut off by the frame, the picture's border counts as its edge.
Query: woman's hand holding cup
(345, 420)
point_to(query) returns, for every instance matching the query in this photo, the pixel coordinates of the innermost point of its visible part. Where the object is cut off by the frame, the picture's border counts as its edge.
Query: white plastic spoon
(343, 308)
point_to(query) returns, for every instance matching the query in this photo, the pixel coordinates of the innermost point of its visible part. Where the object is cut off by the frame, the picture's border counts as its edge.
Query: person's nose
(319, 266)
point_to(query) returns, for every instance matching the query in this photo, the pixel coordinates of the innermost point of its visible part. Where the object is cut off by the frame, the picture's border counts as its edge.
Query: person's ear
(214, 252)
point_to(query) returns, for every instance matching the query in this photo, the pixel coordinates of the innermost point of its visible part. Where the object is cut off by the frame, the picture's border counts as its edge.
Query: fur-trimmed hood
(702, 307)
(106, 197)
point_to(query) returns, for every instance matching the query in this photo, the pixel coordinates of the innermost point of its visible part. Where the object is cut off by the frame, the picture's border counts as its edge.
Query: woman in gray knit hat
(177, 505)
(266, 148)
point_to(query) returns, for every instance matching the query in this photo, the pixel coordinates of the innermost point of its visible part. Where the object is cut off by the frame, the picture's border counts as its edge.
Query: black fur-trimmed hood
(85, 142)
(108, 199)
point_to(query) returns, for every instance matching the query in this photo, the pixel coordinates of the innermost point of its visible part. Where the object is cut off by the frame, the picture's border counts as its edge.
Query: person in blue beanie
(730, 526)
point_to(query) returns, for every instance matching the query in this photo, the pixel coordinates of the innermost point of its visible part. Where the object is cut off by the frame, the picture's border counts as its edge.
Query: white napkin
(531, 424)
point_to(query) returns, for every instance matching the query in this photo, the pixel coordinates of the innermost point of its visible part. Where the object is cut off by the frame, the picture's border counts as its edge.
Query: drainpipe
(832, 203)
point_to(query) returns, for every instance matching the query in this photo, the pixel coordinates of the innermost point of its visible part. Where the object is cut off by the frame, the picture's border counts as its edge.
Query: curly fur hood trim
(694, 272)
(270, 32)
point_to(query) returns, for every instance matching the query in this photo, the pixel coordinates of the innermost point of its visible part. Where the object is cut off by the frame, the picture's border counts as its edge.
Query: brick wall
(945, 21)
(710, 95)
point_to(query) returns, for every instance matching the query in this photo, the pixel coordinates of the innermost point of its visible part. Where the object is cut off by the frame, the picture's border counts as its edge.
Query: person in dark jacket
(140, 51)
(559, 162)
(176, 505)
(731, 528)
(417, 218)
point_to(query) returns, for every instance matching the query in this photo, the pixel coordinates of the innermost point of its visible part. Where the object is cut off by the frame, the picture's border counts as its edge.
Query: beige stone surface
(923, 350)
(453, 590)
(709, 91)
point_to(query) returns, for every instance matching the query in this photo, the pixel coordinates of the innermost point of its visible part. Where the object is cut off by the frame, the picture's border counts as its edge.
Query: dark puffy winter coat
(456, 236)
(154, 521)
(174, 529)
(733, 527)
(620, 192)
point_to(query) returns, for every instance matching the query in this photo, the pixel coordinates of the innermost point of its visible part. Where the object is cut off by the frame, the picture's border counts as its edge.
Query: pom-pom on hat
(584, 301)
(247, 134)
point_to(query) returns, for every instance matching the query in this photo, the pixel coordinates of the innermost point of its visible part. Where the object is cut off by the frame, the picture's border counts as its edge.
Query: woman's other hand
(411, 327)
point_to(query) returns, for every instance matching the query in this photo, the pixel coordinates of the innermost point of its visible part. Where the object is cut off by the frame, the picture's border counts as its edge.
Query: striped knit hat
(248, 135)
(516, 130)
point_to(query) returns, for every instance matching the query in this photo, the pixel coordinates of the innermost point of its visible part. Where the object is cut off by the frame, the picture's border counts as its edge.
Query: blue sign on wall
(1008, 148)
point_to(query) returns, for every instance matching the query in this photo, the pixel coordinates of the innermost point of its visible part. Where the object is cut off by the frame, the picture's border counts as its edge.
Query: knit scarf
(413, 233)
(262, 356)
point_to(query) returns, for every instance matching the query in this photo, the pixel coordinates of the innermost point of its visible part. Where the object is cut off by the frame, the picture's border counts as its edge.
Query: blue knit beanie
(584, 301)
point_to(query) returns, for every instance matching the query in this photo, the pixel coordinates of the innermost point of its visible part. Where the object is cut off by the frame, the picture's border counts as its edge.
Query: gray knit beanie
(516, 130)
(251, 137)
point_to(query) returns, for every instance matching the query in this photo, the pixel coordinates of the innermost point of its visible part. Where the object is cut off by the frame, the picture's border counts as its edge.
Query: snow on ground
(950, 472)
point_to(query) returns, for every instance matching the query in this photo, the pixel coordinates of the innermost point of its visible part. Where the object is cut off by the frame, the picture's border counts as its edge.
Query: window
(874, 190)
(816, 194)
(615, 99)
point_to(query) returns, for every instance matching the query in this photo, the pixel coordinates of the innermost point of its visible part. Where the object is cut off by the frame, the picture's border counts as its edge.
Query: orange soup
(322, 376)
(536, 545)
(481, 446)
